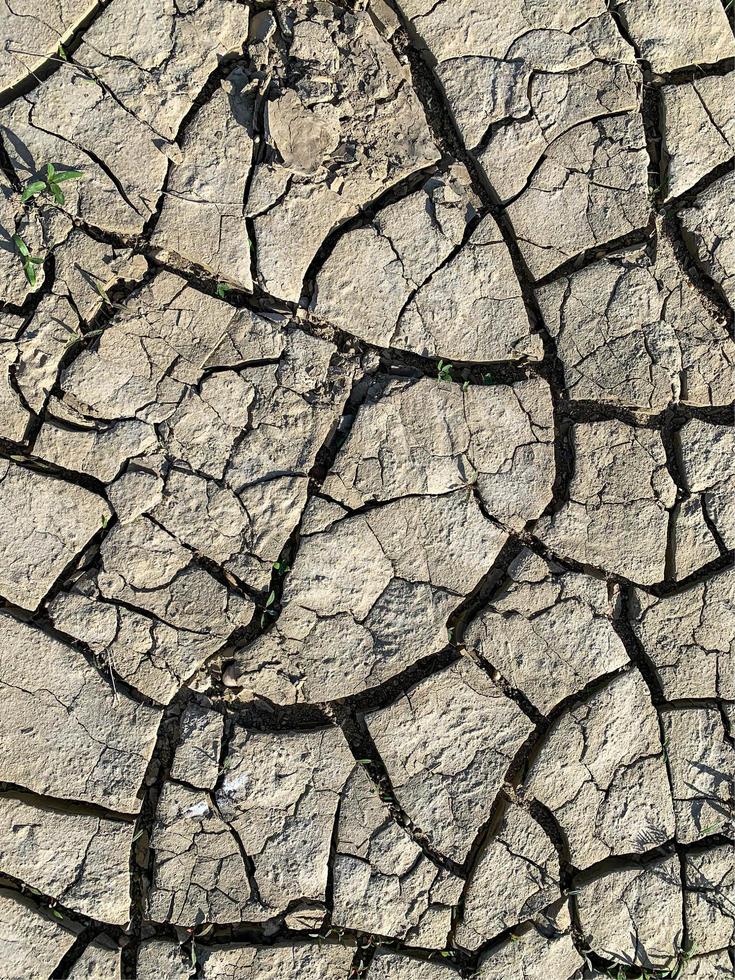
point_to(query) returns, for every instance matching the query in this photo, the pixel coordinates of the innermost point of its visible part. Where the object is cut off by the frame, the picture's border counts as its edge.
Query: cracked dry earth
(367, 490)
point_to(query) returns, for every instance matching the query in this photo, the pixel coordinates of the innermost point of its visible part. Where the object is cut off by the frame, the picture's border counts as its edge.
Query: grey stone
(617, 515)
(447, 746)
(369, 596)
(633, 915)
(109, 736)
(383, 883)
(547, 631)
(605, 781)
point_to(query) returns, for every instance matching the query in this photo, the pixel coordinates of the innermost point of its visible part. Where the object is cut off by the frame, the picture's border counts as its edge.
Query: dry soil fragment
(197, 758)
(701, 758)
(162, 960)
(156, 60)
(239, 439)
(591, 187)
(31, 945)
(707, 455)
(535, 952)
(689, 637)
(709, 877)
(604, 780)
(202, 218)
(99, 961)
(531, 70)
(44, 524)
(713, 966)
(260, 844)
(547, 631)
(426, 437)
(56, 707)
(383, 883)
(516, 875)
(16, 220)
(698, 130)
(370, 595)
(320, 962)
(447, 746)
(637, 334)
(342, 126)
(420, 277)
(115, 116)
(711, 225)
(392, 966)
(199, 874)
(633, 915)
(678, 35)
(617, 516)
(33, 31)
(82, 861)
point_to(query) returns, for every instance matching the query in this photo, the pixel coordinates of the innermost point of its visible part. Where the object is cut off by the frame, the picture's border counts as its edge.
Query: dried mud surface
(367, 490)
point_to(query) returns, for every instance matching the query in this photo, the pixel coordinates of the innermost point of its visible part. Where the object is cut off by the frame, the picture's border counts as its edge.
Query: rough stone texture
(709, 878)
(708, 467)
(161, 958)
(536, 952)
(392, 966)
(547, 631)
(31, 944)
(701, 754)
(82, 861)
(382, 882)
(366, 509)
(446, 747)
(516, 875)
(678, 35)
(428, 437)
(637, 334)
(589, 188)
(688, 637)
(99, 961)
(604, 781)
(616, 517)
(56, 707)
(369, 595)
(342, 126)
(709, 222)
(699, 130)
(430, 277)
(303, 962)
(44, 524)
(634, 915)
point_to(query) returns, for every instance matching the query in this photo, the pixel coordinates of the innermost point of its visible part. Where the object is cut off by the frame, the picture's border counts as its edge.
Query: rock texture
(367, 523)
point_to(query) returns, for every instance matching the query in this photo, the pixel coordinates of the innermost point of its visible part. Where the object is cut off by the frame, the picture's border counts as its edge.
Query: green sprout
(223, 289)
(29, 261)
(444, 371)
(50, 184)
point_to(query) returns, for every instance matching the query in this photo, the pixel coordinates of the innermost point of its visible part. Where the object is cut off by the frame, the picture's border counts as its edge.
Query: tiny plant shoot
(29, 261)
(50, 184)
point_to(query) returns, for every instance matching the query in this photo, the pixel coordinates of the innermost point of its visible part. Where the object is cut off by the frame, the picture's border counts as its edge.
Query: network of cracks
(367, 490)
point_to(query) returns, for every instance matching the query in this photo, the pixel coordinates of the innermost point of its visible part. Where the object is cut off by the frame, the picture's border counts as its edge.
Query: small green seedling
(62, 53)
(465, 386)
(223, 289)
(50, 184)
(267, 611)
(444, 371)
(280, 567)
(29, 261)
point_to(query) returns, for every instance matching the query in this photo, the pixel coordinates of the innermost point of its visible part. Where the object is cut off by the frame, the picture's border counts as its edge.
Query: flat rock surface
(367, 508)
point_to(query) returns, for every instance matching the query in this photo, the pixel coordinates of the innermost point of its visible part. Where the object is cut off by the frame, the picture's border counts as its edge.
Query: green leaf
(68, 175)
(35, 259)
(57, 193)
(61, 53)
(50, 171)
(32, 189)
(270, 600)
(21, 246)
(222, 289)
(30, 271)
